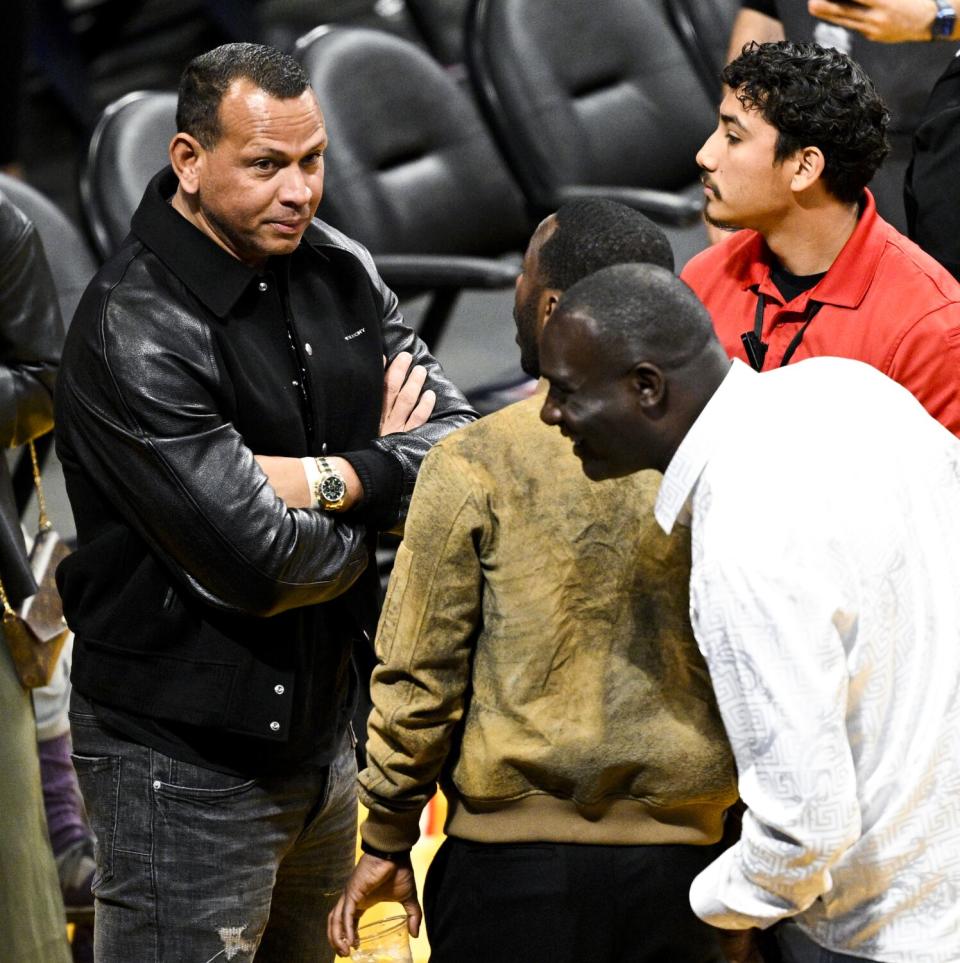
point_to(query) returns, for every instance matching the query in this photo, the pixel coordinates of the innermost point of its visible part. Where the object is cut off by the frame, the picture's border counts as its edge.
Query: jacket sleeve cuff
(381, 475)
(391, 832)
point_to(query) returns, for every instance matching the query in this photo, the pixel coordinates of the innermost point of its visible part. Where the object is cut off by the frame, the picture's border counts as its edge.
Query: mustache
(709, 183)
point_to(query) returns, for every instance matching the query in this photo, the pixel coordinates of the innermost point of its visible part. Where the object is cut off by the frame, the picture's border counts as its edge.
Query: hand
(884, 21)
(373, 881)
(740, 946)
(405, 404)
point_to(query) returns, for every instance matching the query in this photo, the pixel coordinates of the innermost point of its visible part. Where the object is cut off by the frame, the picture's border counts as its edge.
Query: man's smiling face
(591, 399)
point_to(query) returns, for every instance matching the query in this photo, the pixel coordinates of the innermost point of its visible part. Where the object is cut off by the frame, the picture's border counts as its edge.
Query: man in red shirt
(818, 271)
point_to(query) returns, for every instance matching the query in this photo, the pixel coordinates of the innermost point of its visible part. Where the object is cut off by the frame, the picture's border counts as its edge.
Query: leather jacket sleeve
(31, 335)
(137, 407)
(31, 331)
(451, 410)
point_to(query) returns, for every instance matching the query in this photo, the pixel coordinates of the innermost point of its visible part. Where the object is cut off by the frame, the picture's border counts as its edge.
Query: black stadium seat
(71, 261)
(128, 146)
(412, 171)
(704, 28)
(595, 99)
(441, 24)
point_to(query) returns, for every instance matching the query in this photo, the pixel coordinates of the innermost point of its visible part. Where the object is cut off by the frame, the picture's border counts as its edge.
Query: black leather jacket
(31, 334)
(195, 594)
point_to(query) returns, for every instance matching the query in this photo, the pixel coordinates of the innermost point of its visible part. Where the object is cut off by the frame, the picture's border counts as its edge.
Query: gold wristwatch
(329, 490)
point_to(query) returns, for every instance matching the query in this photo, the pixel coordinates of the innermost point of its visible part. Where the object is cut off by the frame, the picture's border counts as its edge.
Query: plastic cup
(383, 941)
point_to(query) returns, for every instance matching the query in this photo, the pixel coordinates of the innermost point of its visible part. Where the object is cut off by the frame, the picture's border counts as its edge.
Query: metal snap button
(274, 726)
(279, 689)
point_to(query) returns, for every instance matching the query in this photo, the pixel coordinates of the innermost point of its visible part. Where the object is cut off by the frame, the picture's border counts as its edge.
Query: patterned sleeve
(773, 635)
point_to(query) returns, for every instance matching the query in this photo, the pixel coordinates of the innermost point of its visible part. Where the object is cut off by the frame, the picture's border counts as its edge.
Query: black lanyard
(756, 349)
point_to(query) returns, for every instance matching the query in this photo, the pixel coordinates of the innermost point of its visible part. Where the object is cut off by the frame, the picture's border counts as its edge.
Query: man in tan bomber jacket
(537, 661)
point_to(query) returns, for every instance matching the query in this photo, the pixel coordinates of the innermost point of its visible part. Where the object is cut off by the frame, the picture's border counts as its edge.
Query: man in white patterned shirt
(824, 504)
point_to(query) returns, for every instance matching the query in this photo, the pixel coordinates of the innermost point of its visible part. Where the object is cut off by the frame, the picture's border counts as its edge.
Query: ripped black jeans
(195, 866)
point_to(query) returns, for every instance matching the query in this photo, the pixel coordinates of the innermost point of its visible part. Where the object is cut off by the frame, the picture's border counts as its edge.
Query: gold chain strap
(7, 608)
(43, 525)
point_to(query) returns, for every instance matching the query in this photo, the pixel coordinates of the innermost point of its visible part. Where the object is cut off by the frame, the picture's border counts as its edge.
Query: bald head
(642, 310)
(632, 358)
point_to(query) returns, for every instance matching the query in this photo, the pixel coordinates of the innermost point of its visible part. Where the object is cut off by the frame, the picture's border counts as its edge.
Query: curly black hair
(815, 96)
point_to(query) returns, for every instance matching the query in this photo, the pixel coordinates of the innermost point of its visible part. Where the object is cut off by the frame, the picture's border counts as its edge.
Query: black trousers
(560, 903)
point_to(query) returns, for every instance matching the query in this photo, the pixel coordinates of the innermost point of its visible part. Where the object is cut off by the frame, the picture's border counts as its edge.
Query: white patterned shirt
(825, 597)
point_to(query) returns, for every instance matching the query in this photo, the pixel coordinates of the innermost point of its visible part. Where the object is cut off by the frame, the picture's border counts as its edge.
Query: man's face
(529, 298)
(743, 184)
(591, 399)
(260, 184)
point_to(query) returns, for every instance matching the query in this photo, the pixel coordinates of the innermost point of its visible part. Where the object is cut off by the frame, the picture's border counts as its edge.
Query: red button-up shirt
(883, 301)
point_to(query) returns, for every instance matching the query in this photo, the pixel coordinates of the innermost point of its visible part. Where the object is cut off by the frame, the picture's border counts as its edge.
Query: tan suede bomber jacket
(537, 657)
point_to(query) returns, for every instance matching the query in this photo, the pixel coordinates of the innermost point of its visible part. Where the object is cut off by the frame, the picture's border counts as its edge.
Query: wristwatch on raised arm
(329, 489)
(944, 21)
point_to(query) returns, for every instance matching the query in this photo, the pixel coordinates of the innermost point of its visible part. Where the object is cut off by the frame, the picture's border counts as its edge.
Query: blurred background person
(32, 924)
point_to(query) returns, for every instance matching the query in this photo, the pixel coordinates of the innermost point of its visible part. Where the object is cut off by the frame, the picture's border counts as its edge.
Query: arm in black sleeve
(31, 331)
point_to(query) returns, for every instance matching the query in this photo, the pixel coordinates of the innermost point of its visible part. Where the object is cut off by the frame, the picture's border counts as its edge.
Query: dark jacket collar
(215, 277)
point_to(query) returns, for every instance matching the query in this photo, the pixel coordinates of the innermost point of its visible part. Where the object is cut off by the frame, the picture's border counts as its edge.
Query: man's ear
(549, 299)
(186, 158)
(649, 384)
(808, 164)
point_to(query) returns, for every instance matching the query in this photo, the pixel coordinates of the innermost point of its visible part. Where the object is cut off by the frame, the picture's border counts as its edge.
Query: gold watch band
(330, 491)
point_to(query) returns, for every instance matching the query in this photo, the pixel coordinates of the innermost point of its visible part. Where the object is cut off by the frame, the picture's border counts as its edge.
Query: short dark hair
(593, 233)
(816, 96)
(208, 77)
(644, 310)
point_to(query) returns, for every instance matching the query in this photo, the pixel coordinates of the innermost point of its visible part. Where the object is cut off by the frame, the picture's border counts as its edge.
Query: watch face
(332, 488)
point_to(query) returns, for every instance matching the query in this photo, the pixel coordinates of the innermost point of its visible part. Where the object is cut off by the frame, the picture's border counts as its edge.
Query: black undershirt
(791, 285)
